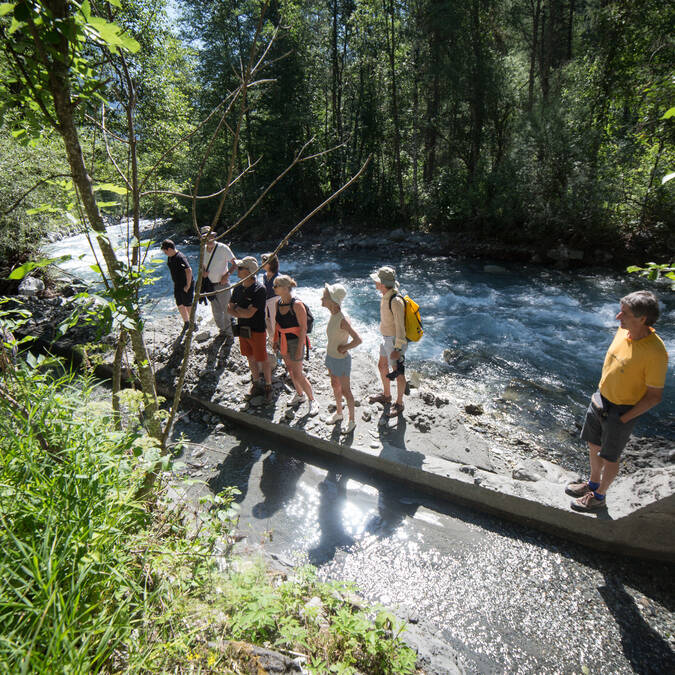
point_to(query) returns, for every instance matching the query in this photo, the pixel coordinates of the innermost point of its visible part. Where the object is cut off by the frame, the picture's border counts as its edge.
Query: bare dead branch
(249, 168)
(94, 121)
(107, 149)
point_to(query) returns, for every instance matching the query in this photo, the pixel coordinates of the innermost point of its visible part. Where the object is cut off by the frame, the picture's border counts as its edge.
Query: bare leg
(596, 463)
(347, 391)
(267, 370)
(253, 365)
(337, 391)
(296, 382)
(609, 472)
(184, 312)
(400, 389)
(295, 368)
(383, 367)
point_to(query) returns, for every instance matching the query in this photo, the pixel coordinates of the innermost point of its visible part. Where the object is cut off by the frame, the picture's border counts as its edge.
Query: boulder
(30, 286)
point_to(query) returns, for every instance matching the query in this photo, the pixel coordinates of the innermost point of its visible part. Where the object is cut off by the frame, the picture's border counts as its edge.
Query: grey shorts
(292, 343)
(604, 428)
(339, 367)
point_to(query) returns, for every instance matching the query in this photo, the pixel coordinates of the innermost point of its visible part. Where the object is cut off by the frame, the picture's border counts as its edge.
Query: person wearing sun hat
(394, 343)
(247, 305)
(218, 263)
(338, 360)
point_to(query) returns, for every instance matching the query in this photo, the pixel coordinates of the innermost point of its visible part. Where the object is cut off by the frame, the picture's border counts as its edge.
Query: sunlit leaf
(111, 187)
(6, 8)
(667, 177)
(21, 271)
(669, 113)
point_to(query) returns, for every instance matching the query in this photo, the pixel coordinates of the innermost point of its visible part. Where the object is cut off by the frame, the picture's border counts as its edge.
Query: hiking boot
(252, 391)
(577, 489)
(588, 503)
(396, 410)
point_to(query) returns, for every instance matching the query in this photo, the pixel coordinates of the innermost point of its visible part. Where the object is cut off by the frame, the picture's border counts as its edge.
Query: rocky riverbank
(435, 422)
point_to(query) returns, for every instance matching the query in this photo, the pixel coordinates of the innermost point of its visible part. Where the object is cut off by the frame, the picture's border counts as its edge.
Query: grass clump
(92, 580)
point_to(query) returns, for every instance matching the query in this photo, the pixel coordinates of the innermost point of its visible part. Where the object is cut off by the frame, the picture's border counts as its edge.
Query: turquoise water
(527, 342)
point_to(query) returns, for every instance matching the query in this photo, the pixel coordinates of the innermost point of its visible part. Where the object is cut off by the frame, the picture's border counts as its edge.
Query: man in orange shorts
(247, 305)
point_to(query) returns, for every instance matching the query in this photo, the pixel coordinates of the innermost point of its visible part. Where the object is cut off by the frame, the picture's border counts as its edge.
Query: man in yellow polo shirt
(633, 377)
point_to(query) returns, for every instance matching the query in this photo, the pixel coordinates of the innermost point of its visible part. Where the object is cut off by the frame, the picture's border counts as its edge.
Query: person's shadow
(278, 482)
(333, 536)
(216, 359)
(392, 510)
(235, 469)
(642, 646)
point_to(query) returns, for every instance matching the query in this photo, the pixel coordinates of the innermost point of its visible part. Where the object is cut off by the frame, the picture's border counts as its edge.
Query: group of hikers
(269, 316)
(269, 321)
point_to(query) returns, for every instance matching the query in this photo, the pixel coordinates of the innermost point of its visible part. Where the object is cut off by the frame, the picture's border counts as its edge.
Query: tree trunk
(60, 89)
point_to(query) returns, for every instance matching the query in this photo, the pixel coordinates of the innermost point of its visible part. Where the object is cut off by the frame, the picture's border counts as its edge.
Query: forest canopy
(529, 121)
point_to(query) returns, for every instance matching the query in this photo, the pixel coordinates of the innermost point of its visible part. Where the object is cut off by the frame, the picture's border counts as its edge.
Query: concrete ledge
(645, 533)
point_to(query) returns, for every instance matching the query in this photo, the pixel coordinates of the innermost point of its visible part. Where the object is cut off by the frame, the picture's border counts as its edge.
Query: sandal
(396, 410)
(268, 392)
(380, 398)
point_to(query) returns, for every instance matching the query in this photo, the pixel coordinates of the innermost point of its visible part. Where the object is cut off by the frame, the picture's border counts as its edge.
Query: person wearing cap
(181, 275)
(394, 343)
(218, 263)
(338, 360)
(287, 328)
(247, 305)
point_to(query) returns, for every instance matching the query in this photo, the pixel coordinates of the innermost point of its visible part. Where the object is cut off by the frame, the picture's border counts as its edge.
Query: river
(526, 342)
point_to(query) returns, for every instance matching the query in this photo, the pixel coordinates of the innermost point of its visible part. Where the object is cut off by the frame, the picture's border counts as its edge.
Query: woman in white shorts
(338, 360)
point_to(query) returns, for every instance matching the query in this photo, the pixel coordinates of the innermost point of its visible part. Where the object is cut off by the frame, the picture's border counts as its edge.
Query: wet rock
(441, 401)
(469, 469)
(494, 269)
(30, 286)
(257, 401)
(428, 397)
(473, 409)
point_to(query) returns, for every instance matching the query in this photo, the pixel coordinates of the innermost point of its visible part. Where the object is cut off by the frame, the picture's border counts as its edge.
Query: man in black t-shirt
(248, 306)
(181, 274)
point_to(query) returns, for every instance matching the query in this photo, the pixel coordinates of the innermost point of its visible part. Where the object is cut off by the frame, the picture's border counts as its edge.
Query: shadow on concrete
(333, 536)
(235, 469)
(643, 647)
(278, 482)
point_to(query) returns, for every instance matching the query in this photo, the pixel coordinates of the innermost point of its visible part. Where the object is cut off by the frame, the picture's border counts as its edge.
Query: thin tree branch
(107, 149)
(35, 187)
(215, 194)
(107, 131)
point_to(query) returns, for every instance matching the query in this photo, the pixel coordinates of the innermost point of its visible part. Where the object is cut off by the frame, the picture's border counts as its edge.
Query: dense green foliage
(91, 580)
(521, 120)
(539, 121)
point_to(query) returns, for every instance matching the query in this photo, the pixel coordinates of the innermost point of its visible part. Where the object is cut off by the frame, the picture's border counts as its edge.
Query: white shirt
(222, 256)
